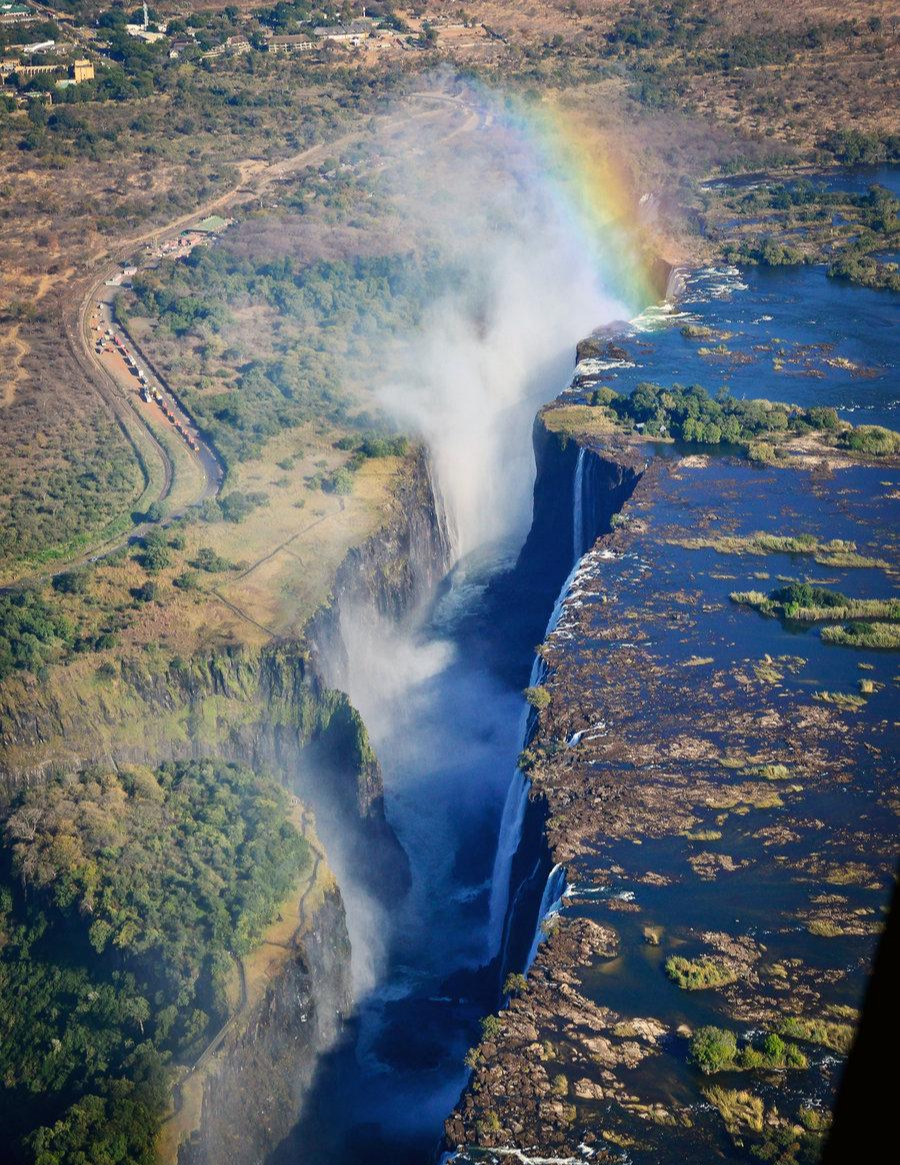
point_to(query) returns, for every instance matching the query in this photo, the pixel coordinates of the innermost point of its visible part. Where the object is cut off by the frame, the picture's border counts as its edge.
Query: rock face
(394, 571)
(255, 1086)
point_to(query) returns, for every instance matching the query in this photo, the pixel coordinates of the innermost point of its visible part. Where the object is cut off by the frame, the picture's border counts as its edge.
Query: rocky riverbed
(719, 786)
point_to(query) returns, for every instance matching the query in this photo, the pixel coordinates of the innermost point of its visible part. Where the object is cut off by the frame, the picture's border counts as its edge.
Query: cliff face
(605, 480)
(392, 573)
(268, 708)
(254, 1087)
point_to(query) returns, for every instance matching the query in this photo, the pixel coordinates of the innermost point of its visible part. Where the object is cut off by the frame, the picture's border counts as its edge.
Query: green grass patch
(882, 636)
(825, 1032)
(836, 552)
(739, 1110)
(846, 701)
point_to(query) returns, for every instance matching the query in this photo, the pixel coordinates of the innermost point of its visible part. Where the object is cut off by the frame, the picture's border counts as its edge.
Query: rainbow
(592, 187)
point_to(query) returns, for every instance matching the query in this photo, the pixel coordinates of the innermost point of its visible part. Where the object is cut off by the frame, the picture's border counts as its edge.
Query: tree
(713, 1049)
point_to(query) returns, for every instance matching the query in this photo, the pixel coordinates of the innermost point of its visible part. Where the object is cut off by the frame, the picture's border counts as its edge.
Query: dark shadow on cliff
(864, 1116)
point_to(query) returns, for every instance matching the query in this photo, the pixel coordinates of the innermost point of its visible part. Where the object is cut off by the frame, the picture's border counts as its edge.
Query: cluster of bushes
(691, 414)
(233, 507)
(32, 632)
(715, 1049)
(873, 440)
(123, 899)
(766, 252)
(855, 147)
(858, 267)
(699, 974)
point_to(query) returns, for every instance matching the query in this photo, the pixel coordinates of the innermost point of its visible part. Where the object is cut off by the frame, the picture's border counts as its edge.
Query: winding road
(255, 176)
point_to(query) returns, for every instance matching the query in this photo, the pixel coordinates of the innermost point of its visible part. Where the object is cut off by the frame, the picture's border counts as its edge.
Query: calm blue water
(849, 180)
(786, 332)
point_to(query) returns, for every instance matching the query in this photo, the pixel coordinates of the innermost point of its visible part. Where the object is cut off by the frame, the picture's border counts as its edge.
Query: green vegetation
(845, 701)
(691, 414)
(739, 1110)
(807, 603)
(836, 1036)
(125, 898)
(538, 697)
(32, 633)
(762, 543)
(856, 266)
(86, 475)
(884, 636)
(715, 1049)
(699, 974)
(838, 552)
(491, 1027)
(304, 377)
(514, 984)
(873, 439)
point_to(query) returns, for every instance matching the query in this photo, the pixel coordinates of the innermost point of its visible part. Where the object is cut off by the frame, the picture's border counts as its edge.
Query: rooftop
(215, 222)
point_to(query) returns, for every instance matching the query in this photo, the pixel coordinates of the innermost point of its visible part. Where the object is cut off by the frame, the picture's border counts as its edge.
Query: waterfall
(507, 843)
(517, 799)
(550, 903)
(578, 507)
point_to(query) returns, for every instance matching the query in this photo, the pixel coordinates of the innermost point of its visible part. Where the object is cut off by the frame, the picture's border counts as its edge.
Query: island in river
(712, 749)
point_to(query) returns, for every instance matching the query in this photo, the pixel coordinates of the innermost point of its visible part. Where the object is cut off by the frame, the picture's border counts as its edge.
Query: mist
(468, 378)
(495, 342)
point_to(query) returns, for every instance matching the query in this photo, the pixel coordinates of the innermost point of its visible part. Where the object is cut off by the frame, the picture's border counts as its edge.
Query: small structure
(178, 44)
(353, 34)
(26, 72)
(16, 13)
(82, 71)
(233, 46)
(289, 44)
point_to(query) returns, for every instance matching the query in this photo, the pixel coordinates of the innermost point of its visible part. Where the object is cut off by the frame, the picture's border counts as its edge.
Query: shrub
(491, 1027)
(342, 481)
(874, 440)
(72, 582)
(237, 506)
(208, 560)
(514, 984)
(155, 558)
(538, 697)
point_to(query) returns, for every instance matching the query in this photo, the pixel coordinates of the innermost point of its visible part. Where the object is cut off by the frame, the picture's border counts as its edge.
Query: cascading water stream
(551, 901)
(578, 507)
(516, 804)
